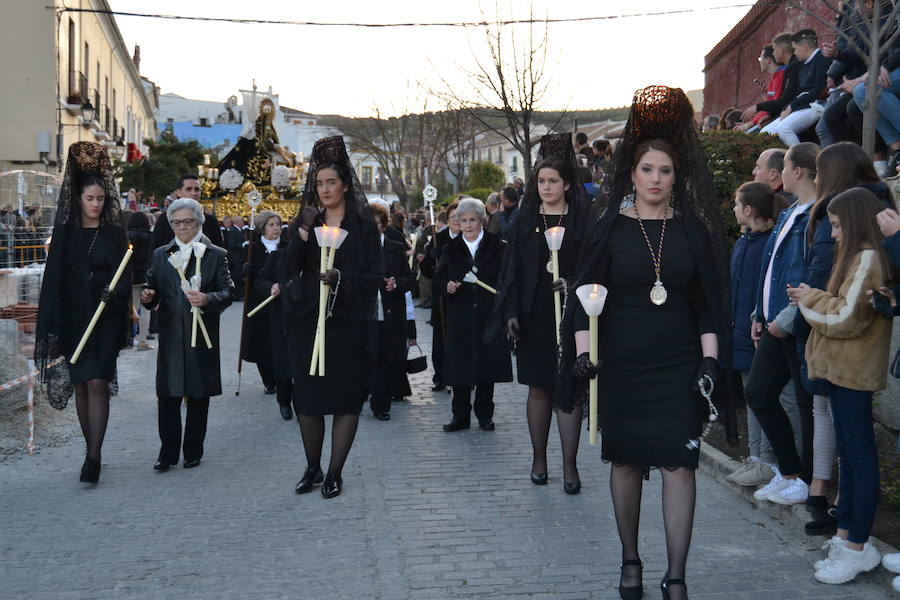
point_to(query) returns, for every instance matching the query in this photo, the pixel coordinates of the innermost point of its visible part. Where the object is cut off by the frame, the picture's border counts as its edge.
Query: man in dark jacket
(188, 187)
(804, 109)
(183, 370)
(235, 244)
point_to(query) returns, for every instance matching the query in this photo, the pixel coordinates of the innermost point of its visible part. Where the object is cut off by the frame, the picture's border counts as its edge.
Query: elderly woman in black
(257, 335)
(390, 328)
(184, 371)
(553, 198)
(470, 361)
(87, 246)
(332, 197)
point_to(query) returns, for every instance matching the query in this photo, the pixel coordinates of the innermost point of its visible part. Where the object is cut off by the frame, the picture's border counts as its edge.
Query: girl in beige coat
(848, 347)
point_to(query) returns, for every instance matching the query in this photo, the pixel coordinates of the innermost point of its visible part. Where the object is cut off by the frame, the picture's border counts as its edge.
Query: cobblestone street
(424, 514)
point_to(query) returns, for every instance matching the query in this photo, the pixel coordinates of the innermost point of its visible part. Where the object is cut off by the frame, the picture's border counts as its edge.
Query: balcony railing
(78, 85)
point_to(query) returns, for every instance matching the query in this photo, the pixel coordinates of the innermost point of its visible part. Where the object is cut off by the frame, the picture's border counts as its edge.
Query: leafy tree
(484, 174)
(168, 160)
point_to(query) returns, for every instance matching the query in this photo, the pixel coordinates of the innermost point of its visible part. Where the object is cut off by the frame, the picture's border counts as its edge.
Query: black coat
(257, 344)
(469, 360)
(272, 316)
(163, 234)
(180, 369)
(142, 245)
(393, 303)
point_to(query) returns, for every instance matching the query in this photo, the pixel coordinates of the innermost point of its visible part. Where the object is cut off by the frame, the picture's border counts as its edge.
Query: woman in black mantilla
(87, 246)
(661, 254)
(553, 198)
(332, 197)
(257, 344)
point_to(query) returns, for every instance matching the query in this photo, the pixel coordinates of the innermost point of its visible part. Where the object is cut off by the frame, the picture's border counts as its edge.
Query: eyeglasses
(183, 222)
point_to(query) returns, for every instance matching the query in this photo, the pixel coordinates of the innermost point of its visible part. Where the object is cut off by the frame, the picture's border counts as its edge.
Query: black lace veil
(332, 150)
(666, 113)
(85, 159)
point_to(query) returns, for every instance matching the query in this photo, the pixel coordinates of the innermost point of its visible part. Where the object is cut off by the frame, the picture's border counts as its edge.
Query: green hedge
(732, 156)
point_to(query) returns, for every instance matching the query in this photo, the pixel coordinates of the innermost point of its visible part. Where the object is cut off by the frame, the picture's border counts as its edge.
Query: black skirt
(536, 349)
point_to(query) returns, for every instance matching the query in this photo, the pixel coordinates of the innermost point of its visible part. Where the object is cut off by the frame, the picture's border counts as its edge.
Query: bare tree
(458, 130)
(387, 140)
(511, 86)
(877, 23)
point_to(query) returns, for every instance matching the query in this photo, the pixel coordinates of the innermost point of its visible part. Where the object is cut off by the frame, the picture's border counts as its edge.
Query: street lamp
(87, 112)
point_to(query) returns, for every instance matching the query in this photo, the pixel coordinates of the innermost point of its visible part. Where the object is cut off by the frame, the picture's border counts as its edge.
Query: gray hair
(183, 203)
(470, 205)
(263, 218)
(493, 198)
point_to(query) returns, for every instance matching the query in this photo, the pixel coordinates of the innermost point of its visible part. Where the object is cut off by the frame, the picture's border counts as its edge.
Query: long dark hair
(855, 209)
(760, 198)
(110, 215)
(839, 167)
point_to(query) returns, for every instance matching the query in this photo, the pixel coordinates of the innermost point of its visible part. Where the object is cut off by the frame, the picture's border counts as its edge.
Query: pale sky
(328, 70)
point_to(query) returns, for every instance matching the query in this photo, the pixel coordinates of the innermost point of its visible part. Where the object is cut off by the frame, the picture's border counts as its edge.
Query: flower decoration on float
(231, 180)
(281, 177)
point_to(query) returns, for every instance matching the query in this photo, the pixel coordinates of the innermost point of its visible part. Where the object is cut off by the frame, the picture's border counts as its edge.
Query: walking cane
(253, 204)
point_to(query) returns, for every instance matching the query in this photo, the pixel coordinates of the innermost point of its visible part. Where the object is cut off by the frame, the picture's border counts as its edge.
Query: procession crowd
(329, 322)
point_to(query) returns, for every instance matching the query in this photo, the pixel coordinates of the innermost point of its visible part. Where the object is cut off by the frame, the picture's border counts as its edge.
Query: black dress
(361, 265)
(536, 355)
(650, 354)
(92, 257)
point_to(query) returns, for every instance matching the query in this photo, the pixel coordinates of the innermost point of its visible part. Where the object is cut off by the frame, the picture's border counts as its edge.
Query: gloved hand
(308, 217)
(559, 285)
(709, 367)
(583, 368)
(330, 277)
(245, 270)
(512, 328)
(106, 296)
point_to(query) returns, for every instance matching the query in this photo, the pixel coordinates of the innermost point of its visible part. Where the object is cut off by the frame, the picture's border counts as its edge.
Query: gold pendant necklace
(658, 293)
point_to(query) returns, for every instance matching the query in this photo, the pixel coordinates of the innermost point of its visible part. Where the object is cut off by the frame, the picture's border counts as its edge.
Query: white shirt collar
(271, 245)
(473, 246)
(452, 235)
(811, 56)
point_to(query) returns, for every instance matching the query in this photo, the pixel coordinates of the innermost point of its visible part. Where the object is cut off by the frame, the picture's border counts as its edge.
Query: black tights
(679, 492)
(540, 413)
(343, 430)
(92, 404)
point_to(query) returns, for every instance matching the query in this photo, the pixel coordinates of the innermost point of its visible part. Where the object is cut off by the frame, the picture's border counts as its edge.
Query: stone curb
(717, 465)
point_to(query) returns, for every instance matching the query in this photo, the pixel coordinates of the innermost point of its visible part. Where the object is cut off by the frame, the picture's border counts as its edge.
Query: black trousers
(484, 402)
(774, 364)
(437, 339)
(267, 374)
(169, 414)
(284, 391)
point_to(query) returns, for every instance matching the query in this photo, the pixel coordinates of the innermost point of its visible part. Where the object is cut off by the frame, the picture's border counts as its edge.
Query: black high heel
(538, 478)
(331, 487)
(664, 587)
(572, 488)
(311, 477)
(90, 471)
(631, 592)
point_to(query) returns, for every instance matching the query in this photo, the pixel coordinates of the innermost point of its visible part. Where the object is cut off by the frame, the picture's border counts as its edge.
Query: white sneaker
(891, 562)
(796, 492)
(776, 483)
(832, 547)
(896, 583)
(748, 463)
(848, 565)
(757, 474)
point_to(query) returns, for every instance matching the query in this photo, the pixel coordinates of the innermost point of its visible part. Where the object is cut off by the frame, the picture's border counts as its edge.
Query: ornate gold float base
(236, 203)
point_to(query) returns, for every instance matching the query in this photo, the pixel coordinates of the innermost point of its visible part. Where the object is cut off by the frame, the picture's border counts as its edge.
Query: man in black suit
(188, 187)
(236, 243)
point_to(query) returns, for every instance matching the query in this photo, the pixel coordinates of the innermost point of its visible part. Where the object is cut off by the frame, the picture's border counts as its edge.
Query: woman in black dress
(553, 198)
(389, 330)
(257, 342)
(471, 361)
(661, 255)
(332, 197)
(87, 246)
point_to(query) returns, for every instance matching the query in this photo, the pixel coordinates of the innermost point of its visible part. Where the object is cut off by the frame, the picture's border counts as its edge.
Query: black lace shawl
(85, 159)
(666, 113)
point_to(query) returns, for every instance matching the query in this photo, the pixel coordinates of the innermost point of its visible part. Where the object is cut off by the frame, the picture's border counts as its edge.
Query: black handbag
(417, 364)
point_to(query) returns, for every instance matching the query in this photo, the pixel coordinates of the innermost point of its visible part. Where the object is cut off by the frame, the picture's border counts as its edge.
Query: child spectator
(754, 119)
(783, 55)
(754, 209)
(848, 348)
(803, 111)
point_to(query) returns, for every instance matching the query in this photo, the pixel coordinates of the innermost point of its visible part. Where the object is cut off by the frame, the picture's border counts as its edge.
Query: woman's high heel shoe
(311, 476)
(632, 592)
(666, 583)
(90, 471)
(538, 478)
(332, 485)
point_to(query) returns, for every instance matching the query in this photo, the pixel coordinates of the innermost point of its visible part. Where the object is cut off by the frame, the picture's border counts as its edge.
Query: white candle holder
(593, 299)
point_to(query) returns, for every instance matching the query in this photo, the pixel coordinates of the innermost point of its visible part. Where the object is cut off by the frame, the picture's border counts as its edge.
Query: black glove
(559, 285)
(107, 297)
(583, 367)
(308, 217)
(709, 367)
(245, 270)
(512, 328)
(330, 277)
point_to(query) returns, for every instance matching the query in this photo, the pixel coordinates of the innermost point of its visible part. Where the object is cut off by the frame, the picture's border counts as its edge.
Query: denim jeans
(888, 108)
(858, 464)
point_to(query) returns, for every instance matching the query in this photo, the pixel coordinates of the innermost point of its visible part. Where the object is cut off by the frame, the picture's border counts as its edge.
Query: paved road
(424, 514)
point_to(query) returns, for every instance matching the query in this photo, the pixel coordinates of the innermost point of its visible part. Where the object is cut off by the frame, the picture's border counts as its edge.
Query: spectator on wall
(752, 118)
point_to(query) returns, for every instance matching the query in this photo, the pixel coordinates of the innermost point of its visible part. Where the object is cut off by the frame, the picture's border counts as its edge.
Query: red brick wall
(731, 67)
